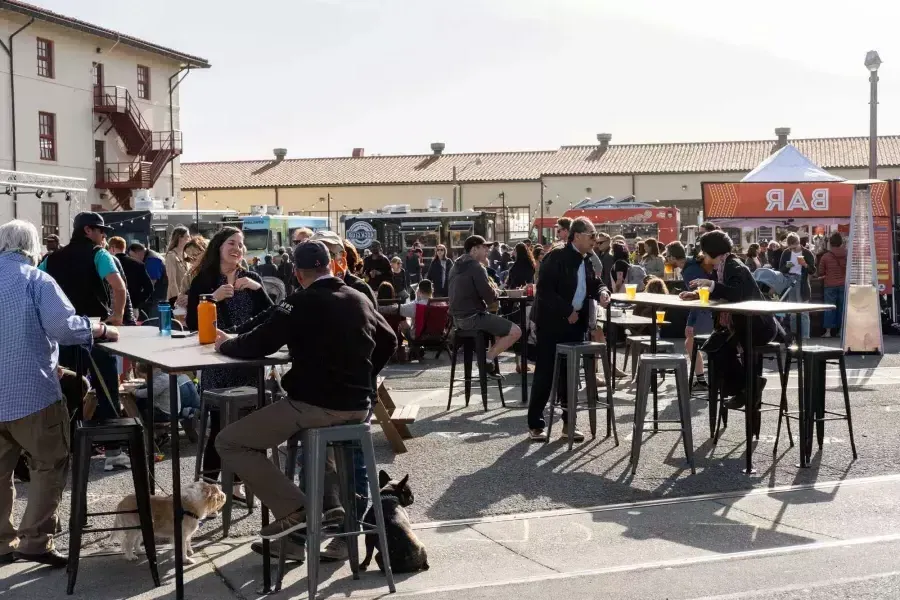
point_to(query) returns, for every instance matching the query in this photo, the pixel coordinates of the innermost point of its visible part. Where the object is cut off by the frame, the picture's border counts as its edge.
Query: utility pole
(505, 216)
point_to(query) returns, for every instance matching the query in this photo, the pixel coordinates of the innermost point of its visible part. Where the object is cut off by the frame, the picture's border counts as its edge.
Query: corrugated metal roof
(695, 157)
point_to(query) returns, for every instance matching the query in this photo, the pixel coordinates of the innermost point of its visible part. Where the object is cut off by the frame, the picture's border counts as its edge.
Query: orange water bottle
(206, 320)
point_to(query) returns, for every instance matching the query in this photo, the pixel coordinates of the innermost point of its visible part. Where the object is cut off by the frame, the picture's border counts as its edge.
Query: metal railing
(131, 175)
(118, 98)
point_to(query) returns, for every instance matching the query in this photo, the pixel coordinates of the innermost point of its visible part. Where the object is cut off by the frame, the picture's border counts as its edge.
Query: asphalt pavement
(469, 464)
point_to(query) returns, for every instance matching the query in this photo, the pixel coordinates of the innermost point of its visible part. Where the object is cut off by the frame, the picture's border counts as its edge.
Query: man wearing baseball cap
(89, 277)
(338, 344)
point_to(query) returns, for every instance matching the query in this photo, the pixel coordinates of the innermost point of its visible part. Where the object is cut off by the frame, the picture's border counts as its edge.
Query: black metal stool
(343, 439)
(230, 403)
(647, 366)
(588, 352)
(638, 344)
(472, 340)
(815, 360)
(131, 432)
(772, 350)
(699, 340)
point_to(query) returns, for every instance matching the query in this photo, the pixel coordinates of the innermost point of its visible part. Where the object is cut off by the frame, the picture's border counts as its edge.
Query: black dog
(407, 553)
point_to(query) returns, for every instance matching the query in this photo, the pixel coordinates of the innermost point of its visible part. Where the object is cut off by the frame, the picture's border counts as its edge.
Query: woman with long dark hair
(177, 266)
(522, 271)
(651, 260)
(239, 296)
(439, 271)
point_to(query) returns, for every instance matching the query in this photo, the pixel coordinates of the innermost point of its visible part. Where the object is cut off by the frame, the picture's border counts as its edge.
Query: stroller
(776, 286)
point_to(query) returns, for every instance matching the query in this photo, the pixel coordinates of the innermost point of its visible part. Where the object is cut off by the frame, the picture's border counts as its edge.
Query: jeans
(796, 295)
(190, 398)
(833, 319)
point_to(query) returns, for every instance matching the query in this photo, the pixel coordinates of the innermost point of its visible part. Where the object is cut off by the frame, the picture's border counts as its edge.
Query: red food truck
(619, 217)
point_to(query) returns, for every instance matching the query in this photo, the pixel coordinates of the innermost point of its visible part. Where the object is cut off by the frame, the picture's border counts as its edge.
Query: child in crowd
(399, 279)
(424, 293)
(188, 399)
(652, 285)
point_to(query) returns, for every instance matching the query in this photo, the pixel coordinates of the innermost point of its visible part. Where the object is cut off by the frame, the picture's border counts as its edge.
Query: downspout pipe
(8, 47)
(186, 69)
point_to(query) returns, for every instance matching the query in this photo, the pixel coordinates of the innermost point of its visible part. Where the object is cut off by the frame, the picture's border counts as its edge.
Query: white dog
(197, 499)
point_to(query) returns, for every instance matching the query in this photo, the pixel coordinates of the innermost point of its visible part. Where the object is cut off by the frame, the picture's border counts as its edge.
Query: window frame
(143, 82)
(49, 219)
(46, 62)
(50, 137)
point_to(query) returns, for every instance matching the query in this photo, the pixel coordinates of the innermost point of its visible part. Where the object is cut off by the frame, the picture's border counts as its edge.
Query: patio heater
(861, 331)
(873, 61)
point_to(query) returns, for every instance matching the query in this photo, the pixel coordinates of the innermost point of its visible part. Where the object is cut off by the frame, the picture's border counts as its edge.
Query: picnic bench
(394, 420)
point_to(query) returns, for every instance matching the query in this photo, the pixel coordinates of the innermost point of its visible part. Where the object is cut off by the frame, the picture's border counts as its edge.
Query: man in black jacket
(137, 281)
(566, 286)
(338, 342)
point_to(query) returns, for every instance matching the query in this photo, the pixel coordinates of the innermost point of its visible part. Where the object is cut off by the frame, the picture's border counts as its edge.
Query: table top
(751, 307)
(178, 354)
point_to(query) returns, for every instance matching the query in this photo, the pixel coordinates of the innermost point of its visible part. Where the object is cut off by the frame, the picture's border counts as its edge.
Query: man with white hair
(35, 318)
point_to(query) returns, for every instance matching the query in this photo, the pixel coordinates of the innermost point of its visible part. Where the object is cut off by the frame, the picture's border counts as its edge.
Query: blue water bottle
(165, 318)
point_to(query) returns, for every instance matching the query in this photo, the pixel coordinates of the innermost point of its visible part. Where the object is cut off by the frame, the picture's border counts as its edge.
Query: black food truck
(398, 229)
(153, 227)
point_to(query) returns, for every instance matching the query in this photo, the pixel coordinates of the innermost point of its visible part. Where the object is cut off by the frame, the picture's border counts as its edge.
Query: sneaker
(238, 493)
(537, 435)
(119, 461)
(621, 373)
(493, 372)
(336, 551)
(294, 552)
(189, 425)
(333, 516)
(577, 436)
(701, 383)
(51, 558)
(281, 527)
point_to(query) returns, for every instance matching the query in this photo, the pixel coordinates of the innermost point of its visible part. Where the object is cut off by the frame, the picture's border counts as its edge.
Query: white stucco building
(80, 100)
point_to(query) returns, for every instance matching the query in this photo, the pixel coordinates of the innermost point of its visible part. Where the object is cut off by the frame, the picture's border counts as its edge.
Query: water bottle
(206, 320)
(165, 318)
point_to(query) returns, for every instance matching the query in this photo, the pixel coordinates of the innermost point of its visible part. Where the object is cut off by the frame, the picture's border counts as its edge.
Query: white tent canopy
(789, 165)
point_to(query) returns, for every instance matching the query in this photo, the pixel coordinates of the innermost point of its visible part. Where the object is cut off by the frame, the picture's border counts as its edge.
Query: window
(49, 219)
(143, 80)
(45, 58)
(47, 127)
(98, 75)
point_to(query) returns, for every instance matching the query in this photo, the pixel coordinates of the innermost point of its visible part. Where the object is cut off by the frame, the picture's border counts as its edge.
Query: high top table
(173, 356)
(749, 308)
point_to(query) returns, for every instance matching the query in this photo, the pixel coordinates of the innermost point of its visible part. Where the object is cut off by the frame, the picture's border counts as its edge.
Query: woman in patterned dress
(239, 296)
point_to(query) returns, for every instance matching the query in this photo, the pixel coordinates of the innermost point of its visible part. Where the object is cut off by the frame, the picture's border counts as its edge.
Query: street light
(457, 193)
(873, 61)
(502, 197)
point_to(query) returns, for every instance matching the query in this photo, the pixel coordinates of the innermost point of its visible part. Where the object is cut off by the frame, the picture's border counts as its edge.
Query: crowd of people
(67, 297)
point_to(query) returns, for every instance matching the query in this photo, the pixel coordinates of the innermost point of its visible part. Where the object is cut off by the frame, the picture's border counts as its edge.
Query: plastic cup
(704, 295)
(660, 316)
(631, 290)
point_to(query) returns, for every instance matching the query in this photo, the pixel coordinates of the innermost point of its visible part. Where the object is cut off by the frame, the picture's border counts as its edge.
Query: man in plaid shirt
(35, 318)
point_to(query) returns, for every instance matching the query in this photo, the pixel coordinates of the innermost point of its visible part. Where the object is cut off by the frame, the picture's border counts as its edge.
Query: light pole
(505, 216)
(327, 199)
(873, 61)
(457, 193)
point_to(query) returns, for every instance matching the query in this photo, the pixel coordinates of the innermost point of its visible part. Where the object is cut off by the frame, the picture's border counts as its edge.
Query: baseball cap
(472, 241)
(330, 239)
(311, 255)
(90, 219)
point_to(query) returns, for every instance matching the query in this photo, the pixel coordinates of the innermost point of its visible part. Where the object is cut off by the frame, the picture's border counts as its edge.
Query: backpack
(636, 275)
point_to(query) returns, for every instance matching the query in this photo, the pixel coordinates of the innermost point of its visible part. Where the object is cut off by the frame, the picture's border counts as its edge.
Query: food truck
(619, 217)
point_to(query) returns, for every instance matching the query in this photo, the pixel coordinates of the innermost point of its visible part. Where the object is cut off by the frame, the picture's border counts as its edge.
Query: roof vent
(782, 133)
(359, 152)
(279, 153)
(604, 139)
(438, 148)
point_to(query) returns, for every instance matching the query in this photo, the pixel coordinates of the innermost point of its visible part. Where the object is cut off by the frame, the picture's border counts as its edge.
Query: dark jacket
(205, 283)
(557, 281)
(73, 269)
(267, 270)
(520, 275)
(337, 340)
(414, 267)
(738, 285)
(400, 282)
(809, 269)
(439, 275)
(362, 287)
(773, 257)
(470, 291)
(378, 263)
(140, 288)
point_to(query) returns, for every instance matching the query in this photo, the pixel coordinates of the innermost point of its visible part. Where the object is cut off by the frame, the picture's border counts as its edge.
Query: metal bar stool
(131, 432)
(230, 403)
(647, 366)
(470, 340)
(343, 439)
(588, 352)
(816, 359)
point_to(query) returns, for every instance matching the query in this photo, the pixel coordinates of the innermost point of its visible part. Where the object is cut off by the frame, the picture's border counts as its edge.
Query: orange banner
(786, 200)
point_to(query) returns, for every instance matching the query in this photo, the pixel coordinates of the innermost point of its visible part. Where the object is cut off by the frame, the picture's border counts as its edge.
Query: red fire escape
(153, 150)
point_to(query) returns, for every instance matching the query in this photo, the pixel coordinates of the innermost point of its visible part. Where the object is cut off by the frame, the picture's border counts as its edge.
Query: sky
(320, 77)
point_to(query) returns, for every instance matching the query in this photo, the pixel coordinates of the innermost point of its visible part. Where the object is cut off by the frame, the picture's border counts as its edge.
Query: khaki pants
(44, 436)
(242, 446)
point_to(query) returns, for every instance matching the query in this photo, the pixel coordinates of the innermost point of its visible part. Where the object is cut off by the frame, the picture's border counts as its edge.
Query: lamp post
(540, 239)
(873, 61)
(502, 196)
(327, 199)
(457, 193)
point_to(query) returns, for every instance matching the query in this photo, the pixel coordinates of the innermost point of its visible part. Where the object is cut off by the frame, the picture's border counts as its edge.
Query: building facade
(78, 100)
(669, 173)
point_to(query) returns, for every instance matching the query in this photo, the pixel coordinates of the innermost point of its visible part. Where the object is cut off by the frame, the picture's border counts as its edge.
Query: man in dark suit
(566, 287)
